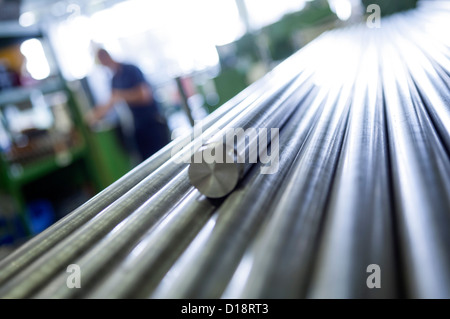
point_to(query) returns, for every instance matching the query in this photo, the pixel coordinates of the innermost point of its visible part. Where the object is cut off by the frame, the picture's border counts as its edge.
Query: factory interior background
(196, 55)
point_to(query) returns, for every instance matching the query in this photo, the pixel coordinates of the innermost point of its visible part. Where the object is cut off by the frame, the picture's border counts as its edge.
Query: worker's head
(105, 58)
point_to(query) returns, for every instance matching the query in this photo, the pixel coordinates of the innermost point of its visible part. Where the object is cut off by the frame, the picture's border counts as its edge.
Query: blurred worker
(151, 132)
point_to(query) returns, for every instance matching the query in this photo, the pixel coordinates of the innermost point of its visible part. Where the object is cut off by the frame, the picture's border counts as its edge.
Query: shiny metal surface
(363, 179)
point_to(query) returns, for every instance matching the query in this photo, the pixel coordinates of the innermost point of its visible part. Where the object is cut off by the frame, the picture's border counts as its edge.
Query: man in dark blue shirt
(128, 84)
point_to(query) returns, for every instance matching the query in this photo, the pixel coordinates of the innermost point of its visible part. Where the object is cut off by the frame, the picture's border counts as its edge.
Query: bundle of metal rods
(362, 183)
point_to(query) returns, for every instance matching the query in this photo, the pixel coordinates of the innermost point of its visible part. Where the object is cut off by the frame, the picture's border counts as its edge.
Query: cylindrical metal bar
(359, 232)
(216, 178)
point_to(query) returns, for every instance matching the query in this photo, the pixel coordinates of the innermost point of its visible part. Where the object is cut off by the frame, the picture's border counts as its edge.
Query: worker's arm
(140, 94)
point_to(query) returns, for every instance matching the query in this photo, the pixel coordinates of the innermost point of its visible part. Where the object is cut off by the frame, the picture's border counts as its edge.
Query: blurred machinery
(46, 151)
